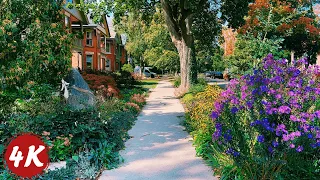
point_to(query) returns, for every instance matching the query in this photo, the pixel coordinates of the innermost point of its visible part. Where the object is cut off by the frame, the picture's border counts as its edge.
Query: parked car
(148, 73)
(218, 74)
(209, 74)
(214, 74)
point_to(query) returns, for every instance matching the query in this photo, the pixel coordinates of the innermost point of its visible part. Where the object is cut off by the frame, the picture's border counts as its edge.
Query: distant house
(74, 17)
(97, 46)
(117, 41)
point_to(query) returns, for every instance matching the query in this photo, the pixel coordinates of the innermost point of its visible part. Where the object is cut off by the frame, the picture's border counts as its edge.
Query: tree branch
(172, 23)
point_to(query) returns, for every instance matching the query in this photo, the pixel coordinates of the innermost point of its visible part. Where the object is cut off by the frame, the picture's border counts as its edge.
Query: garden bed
(265, 125)
(88, 140)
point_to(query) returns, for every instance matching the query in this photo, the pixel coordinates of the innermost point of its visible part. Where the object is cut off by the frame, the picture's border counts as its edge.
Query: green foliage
(83, 167)
(249, 52)
(293, 21)
(199, 106)
(124, 79)
(61, 148)
(234, 11)
(106, 156)
(218, 63)
(127, 68)
(177, 82)
(36, 48)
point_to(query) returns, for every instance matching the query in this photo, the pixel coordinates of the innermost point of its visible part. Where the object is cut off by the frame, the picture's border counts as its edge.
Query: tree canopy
(35, 47)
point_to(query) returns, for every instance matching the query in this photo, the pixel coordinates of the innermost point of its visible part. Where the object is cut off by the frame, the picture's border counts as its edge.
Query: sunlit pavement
(160, 149)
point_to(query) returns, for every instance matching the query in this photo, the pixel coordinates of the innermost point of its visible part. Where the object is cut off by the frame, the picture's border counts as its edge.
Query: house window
(108, 64)
(66, 21)
(108, 47)
(89, 39)
(103, 38)
(89, 61)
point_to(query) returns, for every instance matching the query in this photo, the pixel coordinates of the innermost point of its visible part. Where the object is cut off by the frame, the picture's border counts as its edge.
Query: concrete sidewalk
(160, 149)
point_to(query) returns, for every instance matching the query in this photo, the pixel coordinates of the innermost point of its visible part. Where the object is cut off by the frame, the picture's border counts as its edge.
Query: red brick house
(118, 55)
(97, 46)
(74, 17)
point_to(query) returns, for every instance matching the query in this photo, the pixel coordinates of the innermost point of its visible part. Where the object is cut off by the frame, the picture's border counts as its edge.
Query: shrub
(267, 125)
(139, 99)
(201, 104)
(104, 85)
(196, 88)
(177, 82)
(127, 68)
(124, 79)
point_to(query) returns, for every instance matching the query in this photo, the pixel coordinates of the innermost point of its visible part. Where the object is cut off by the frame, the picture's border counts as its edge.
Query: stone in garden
(80, 95)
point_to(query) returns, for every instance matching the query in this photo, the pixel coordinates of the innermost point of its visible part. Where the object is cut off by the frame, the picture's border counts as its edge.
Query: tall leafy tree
(134, 27)
(181, 18)
(233, 12)
(160, 52)
(34, 45)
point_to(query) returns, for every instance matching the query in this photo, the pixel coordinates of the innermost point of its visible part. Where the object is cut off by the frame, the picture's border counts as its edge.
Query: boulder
(80, 95)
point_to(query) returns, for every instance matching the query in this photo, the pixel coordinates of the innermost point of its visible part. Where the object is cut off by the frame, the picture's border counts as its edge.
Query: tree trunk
(187, 63)
(179, 26)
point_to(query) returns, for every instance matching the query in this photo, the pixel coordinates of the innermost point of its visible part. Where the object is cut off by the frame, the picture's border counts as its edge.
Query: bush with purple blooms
(267, 123)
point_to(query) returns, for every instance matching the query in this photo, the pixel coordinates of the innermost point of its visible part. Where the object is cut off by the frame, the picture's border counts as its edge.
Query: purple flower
(260, 138)
(293, 118)
(292, 146)
(264, 88)
(214, 115)
(217, 134)
(270, 149)
(284, 110)
(281, 128)
(234, 110)
(275, 144)
(296, 73)
(299, 149)
(278, 96)
(218, 106)
(285, 137)
(227, 137)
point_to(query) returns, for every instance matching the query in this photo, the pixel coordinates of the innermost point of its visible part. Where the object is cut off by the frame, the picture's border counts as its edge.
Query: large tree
(35, 48)
(183, 19)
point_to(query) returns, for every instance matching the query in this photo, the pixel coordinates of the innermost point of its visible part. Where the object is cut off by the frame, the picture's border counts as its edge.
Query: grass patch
(148, 83)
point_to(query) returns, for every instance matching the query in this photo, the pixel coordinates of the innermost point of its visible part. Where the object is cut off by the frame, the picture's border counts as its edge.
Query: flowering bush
(133, 106)
(103, 85)
(267, 123)
(138, 98)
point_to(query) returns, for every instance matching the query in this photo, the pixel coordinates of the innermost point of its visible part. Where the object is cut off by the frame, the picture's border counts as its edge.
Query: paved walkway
(159, 148)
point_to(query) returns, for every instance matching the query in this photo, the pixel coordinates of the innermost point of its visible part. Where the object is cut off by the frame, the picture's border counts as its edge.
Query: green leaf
(75, 158)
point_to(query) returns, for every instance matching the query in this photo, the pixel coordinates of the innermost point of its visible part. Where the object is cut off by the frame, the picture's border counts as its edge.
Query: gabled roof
(111, 27)
(77, 13)
(113, 34)
(101, 27)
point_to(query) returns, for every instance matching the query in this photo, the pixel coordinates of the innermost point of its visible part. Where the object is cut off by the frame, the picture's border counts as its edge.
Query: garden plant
(267, 123)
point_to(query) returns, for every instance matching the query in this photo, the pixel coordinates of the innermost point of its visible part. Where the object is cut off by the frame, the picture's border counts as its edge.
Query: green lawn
(148, 83)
